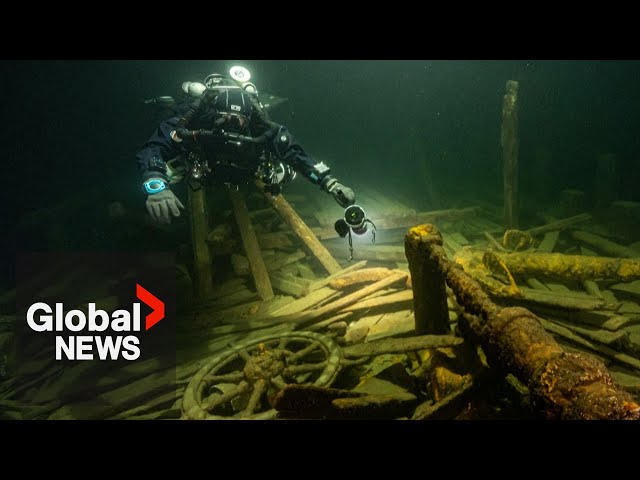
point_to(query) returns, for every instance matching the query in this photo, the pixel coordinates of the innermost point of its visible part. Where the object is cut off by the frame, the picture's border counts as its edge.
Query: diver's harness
(272, 174)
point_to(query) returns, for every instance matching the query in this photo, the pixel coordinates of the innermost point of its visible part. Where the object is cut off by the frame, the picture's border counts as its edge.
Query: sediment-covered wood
(393, 345)
(303, 232)
(429, 291)
(563, 385)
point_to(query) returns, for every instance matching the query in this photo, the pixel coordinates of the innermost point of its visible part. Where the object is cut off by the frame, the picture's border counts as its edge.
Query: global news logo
(117, 333)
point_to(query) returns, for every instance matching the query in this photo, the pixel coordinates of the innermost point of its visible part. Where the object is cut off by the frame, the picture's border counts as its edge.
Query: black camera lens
(342, 228)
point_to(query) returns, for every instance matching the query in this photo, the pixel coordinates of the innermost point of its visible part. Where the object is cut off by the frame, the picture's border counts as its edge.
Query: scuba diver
(222, 135)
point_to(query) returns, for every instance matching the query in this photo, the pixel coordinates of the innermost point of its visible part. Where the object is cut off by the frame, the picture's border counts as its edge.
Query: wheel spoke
(233, 377)
(244, 354)
(258, 389)
(358, 361)
(217, 400)
(298, 355)
(278, 382)
(304, 368)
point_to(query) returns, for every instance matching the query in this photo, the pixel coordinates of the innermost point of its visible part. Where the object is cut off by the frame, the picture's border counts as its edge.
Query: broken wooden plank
(366, 275)
(549, 241)
(305, 302)
(274, 240)
(280, 261)
(392, 324)
(240, 265)
(537, 284)
(325, 281)
(609, 297)
(628, 288)
(371, 407)
(403, 296)
(592, 288)
(251, 246)
(306, 272)
(394, 345)
(358, 329)
(604, 245)
(616, 339)
(572, 301)
(600, 349)
(558, 287)
(343, 302)
(302, 318)
(603, 319)
(448, 407)
(228, 287)
(289, 284)
(560, 224)
(493, 242)
(329, 321)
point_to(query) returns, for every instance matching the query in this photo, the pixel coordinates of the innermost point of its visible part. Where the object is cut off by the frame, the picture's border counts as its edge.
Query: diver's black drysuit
(233, 153)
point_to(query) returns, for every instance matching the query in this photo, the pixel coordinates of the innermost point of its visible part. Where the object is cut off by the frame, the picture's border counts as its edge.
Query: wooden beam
(251, 246)
(304, 233)
(509, 143)
(199, 228)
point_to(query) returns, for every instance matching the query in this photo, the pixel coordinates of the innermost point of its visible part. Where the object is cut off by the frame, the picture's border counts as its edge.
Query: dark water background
(71, 129)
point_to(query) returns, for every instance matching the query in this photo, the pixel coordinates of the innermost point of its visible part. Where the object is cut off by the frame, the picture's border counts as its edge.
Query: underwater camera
(356, 221)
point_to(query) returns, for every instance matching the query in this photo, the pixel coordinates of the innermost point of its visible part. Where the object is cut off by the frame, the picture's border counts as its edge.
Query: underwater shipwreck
(456, 314)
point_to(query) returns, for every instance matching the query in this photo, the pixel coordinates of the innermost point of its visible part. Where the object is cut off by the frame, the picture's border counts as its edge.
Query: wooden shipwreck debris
(429, 291)
(561, 266)
(403, 345)
(302, 231)
(509, 143)
(251, 247)
(313, 402)
(198, 224)
(367, 275)
(563, 385)
(603, 245)
(560, 224)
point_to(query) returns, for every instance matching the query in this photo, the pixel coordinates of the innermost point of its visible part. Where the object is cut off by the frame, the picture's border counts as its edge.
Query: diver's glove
(343, 195)
(161, 202)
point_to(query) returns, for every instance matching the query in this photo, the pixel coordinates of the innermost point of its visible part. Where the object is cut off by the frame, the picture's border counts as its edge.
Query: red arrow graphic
(154, 302)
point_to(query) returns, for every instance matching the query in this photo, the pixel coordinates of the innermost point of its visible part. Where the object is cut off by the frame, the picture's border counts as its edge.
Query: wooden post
(509, 143)
(429, 291)
(251, 247)
(203, 278)
(301, 229)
